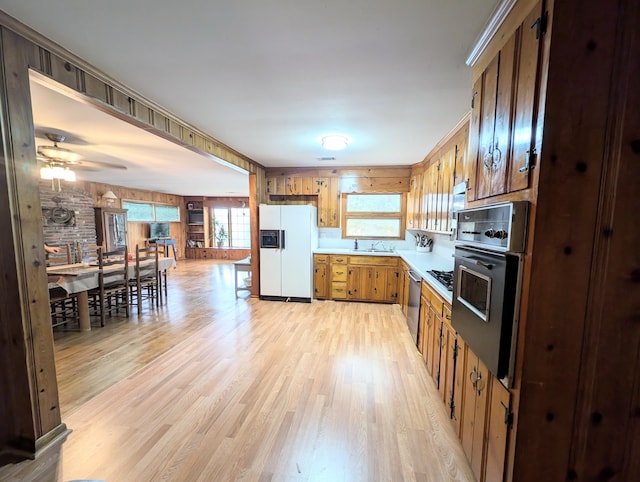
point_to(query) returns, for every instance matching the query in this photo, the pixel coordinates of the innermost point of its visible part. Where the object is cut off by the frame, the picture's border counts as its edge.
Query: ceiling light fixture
(56, 172)
(335, 142)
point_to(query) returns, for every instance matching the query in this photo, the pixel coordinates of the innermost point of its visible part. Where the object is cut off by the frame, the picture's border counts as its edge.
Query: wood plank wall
(354, 179)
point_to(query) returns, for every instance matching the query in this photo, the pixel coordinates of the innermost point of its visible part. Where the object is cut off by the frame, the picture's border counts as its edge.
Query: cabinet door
(353, 283)
(450, 351)
(429, 196)
(473, 156)
(321, 185)
(474, 405)
(498, 427)
(495, 128)
(458, 384)
(320, 281)
(392, 276)
(413, 201)
(308, 186)
(422, 327)
(430, 342)
(294, 185)
(437, 346)
(445, 188)
(444, 362)
(525, 110)
(378, 278)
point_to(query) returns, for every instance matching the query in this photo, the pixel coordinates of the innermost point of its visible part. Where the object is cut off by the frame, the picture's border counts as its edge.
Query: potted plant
(219, 233)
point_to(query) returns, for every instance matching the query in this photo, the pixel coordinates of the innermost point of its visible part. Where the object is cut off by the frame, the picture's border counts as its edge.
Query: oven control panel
(501, 227)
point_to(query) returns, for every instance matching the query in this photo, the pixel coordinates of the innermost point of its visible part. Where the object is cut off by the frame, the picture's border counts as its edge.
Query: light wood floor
(214, 388)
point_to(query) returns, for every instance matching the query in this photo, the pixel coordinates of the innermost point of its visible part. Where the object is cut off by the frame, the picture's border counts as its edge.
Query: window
(149, 212)
(231, 227)
(373, 216)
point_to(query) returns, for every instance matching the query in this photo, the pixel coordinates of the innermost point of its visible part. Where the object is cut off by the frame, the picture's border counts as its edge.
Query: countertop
(420, 263)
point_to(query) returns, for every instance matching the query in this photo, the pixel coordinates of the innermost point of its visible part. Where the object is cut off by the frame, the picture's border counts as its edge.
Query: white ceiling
(265, 77)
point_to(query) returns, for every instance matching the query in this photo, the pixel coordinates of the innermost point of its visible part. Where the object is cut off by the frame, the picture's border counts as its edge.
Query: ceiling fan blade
(97, 164)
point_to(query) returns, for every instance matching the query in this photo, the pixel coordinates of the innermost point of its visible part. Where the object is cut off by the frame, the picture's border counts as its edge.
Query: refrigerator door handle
(282, 239)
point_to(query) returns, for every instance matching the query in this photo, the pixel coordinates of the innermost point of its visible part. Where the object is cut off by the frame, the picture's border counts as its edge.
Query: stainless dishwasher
(413, 309)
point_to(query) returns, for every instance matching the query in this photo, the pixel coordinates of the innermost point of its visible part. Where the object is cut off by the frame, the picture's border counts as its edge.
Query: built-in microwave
(271, 239)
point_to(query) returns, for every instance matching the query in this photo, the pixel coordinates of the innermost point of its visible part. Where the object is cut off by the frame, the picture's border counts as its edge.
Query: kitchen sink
(374, 250)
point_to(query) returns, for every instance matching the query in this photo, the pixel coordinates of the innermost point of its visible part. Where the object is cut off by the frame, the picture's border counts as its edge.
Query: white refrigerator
(288, 236)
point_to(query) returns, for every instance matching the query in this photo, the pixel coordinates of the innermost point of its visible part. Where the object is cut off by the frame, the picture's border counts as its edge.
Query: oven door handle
(477, 262)
(484, 265)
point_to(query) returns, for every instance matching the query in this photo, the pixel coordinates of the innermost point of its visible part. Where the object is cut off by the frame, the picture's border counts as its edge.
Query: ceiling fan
(59, 160)
(62, 157)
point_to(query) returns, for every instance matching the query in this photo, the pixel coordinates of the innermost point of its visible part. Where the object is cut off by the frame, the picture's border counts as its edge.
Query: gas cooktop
(444, 277)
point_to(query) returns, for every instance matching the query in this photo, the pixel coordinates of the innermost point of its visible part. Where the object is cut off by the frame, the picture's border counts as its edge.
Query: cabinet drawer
(338, 272)
(338, 259)
(433, 298)
(321, 258)
(338, 290)
(390, 261)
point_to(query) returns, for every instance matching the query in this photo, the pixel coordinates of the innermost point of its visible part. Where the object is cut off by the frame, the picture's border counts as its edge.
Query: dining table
(80, 278)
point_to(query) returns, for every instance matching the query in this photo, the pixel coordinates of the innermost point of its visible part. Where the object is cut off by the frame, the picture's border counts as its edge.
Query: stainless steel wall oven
(487, 278)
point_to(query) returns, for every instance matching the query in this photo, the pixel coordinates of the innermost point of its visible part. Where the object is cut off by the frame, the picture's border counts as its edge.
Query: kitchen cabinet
(447, 363)
(495, 128)
(328, 201)
(358, 277)
(430, 197)
(320, 276)
(504, 114)
(293, 185)
(458, 384)
(338, 269)
(403, 286)
(525, 101)
(276, 185)
(372, 278)
(474, 407)
(414, 197)
(431, 304)
(498, 426)
(111, 228)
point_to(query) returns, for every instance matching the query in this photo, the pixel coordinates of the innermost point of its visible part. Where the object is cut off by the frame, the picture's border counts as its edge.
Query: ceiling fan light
(46, 173)
(69, 175)
(335, 142)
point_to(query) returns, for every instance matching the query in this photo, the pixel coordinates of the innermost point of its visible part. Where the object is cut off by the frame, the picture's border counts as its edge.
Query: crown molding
(497, 18)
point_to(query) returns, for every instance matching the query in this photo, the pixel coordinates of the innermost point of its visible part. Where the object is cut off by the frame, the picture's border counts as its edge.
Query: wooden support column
(28, 388)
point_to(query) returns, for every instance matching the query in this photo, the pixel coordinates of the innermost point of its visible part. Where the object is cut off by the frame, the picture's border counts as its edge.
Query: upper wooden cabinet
(502, 126)
(429, 202)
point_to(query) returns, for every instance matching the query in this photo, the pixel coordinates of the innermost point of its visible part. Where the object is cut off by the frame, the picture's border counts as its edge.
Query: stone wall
(67, 215)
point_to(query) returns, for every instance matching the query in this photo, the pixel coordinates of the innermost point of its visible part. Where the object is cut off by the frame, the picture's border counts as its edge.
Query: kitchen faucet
(376, 243)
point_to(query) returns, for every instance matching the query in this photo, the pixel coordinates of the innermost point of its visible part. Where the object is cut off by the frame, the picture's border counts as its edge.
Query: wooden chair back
(146, 262)
(63, 257)
(114, 267)
(87, 253)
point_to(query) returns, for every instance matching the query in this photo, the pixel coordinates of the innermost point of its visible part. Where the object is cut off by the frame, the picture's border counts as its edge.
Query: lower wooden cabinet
(320, 276)
(498, 426)
(474, 406)
(356, 278)
(477, 402)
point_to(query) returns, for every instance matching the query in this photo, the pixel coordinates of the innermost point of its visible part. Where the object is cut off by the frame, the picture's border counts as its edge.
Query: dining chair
(112, 293)
(87, 253)
(63, 257)
(145, 284)
(163, 252)
(63, 306)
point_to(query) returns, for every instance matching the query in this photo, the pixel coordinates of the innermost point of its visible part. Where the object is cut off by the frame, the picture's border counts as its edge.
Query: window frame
(153, 209)
(372, 215)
